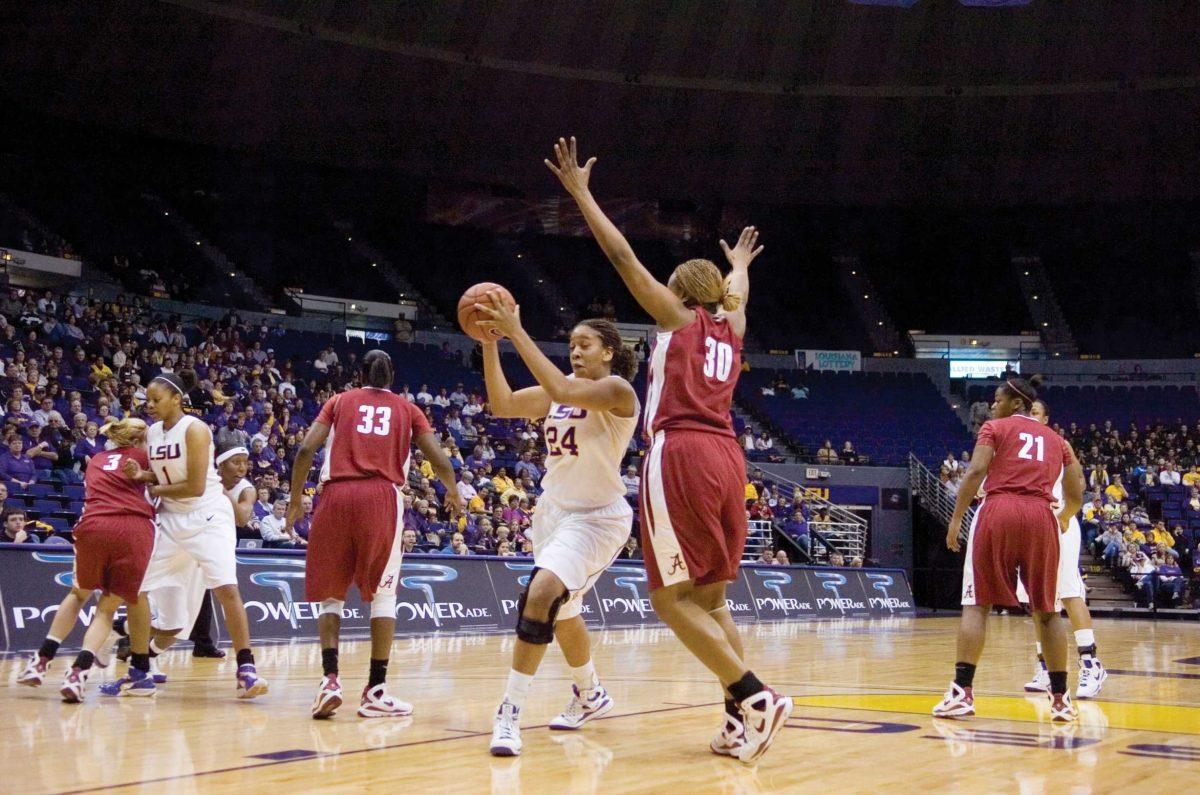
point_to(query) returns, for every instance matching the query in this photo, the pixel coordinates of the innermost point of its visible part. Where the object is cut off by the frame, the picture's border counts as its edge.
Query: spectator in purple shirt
(15, 465)
(796, 528)
(91, 443)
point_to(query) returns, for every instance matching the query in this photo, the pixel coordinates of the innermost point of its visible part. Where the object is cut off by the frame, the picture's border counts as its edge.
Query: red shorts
(693, 508)
(112, 553)
(355, 539)
(1012, 534)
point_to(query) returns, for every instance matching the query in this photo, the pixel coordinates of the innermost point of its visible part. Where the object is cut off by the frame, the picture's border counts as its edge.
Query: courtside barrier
(447, 593)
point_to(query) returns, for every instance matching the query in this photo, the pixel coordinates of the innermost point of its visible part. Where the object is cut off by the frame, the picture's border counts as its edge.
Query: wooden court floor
(862, 724)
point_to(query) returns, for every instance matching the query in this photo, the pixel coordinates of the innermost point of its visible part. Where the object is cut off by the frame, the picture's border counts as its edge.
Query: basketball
(468, 315)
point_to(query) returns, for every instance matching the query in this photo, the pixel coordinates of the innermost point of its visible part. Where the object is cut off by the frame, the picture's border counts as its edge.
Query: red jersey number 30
(718, 359)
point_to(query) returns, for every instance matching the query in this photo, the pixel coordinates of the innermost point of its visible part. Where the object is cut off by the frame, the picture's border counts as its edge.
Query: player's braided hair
(698, 281)
(624, 361)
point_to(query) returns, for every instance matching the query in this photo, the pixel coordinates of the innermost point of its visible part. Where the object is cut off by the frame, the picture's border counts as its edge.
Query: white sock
(154, 646)
(1085, 638)
(518, 688)
(585, 676)
(1039, 648)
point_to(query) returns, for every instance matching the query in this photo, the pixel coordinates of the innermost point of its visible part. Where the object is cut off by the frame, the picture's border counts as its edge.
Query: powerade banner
(456, 594)
(829, 360)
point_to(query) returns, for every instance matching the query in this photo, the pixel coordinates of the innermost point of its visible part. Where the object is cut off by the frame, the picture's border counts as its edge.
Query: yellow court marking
(1092, 714)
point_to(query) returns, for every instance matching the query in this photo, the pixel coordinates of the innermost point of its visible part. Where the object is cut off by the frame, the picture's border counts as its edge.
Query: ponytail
(129, 432)
(1025, 389)
(377, 369)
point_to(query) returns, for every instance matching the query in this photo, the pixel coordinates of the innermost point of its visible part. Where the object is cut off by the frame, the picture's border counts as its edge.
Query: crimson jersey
(693, 372)
(1029, 460)
(108, 491)
(370, 433)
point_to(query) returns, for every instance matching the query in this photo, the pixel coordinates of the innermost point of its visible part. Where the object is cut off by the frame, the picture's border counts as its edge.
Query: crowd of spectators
(1135, 479)
(68, 364)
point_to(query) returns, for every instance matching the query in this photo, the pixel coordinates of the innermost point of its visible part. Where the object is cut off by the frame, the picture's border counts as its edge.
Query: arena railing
(937, 498)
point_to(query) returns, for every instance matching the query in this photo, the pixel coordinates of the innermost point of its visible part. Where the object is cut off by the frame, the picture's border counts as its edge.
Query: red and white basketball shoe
(72, 686)
(34, 671)
(763, 716)
(376, 703)
(329, 698)
(1061, 708)
(958, 702)
(730, 738)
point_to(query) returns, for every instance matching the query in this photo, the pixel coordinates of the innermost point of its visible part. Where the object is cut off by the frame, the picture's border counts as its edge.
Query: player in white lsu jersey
(582, 518)
(196, 529)
(1070, 593)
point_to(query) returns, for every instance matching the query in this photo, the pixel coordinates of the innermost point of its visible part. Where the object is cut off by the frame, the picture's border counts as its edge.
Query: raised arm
(660, 303)
(606, 394)
(530, 403)
(737, 282)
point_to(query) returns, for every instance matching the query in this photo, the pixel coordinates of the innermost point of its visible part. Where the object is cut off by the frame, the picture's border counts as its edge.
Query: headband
(170, 382)
(228, 454)
(1017, 389)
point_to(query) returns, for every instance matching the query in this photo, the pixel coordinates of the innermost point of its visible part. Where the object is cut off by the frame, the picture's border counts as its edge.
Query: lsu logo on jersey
(164, 452)
(567, 413)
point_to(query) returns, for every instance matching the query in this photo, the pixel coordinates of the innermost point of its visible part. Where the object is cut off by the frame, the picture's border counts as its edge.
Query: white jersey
(583, 456)
(239, 488)
(168, 460)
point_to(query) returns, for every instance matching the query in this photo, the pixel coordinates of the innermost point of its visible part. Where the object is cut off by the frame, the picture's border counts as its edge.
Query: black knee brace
(540, 633)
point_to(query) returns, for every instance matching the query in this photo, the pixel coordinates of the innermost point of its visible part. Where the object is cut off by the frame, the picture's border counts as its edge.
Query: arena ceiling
(774, 100)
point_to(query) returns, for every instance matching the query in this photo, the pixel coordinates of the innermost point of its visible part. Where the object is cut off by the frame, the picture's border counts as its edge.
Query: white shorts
(195, 551)
(577, 546)
(1070, 581)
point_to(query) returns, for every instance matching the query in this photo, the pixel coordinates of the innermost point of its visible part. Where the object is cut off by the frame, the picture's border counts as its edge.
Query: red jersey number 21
(1030, 442)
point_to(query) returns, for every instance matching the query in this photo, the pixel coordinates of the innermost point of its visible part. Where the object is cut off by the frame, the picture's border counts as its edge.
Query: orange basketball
(468, 315)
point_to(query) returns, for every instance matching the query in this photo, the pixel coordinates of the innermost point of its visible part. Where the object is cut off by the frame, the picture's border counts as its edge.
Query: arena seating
(1085, 404)
(884, 415)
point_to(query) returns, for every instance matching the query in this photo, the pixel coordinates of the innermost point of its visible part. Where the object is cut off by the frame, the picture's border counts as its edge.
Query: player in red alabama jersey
(356, 536)
(693, 516)
(1018, 461)
(113, 542)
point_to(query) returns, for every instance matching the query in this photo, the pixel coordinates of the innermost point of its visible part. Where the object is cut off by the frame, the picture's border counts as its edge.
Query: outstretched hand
(742, 254)
(506, 321)
(573, 176)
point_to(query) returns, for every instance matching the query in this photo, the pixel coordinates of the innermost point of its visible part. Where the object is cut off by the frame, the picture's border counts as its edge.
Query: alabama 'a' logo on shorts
(677, 564)
(969, 591)
(387, 581)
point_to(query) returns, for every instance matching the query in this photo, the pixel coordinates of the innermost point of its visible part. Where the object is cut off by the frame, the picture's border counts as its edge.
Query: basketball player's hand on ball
(747, 248)
(573, 176)
(504, 320)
